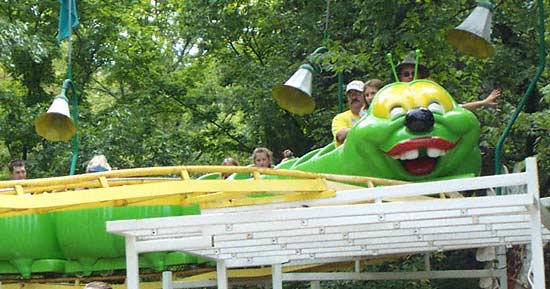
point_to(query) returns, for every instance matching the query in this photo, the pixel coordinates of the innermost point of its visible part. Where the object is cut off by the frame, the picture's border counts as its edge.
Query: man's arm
(490, 101)
(341, 135)
(340, 128)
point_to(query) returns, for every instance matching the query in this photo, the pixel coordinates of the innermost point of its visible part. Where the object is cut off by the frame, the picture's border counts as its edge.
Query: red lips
(420, 165)
(420, 143)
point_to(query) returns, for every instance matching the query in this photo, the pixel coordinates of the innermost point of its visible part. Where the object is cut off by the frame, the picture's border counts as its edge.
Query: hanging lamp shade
(56, 124)
(295, 95)
(472, 37)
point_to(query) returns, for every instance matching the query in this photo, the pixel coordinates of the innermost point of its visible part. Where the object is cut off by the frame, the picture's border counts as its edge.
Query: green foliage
(189, 82)
(172, 82)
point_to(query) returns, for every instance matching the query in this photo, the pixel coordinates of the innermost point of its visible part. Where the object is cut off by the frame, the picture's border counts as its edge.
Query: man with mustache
(342, 122)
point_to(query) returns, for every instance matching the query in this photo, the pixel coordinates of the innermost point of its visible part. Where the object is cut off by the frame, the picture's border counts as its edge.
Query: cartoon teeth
(414, 154)
(410, 155)
(435, 153)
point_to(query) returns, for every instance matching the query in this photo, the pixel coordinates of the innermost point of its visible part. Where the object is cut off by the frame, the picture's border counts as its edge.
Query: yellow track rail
(143, 186)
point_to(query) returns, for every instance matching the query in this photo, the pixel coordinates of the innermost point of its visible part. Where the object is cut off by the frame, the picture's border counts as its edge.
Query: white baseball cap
(355, 85)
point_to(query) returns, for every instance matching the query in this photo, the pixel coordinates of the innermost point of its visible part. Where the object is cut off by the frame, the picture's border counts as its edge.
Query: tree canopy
(189, 82)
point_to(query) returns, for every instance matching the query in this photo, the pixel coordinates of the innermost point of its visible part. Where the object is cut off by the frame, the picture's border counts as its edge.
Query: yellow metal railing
(151, 186)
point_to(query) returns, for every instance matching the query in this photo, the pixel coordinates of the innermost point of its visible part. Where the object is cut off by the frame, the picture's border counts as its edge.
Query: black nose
(419, 120)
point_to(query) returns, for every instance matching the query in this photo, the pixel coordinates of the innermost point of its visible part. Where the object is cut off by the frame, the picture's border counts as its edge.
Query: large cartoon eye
(435, 106)
(396, 112)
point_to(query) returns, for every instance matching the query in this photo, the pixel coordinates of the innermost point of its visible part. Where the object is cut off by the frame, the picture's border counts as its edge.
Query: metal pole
(69, 48)
(221, 275)
(73, 89)
(74, 156)
(277, 276)
(502, 267)
(427, 264)
(167, 280)
(132, 266)
(315, 285)
(537, 252)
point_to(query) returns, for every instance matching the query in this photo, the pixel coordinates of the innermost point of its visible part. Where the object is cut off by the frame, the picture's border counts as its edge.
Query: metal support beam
(501, 267)
(265, 282)
(221, 273)
(167, 280)
(545, 216)
(427, 264)
(315, 285)
(537, 258)
(277, 275)
(132, 265)
(448, 274)
(195, 284)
